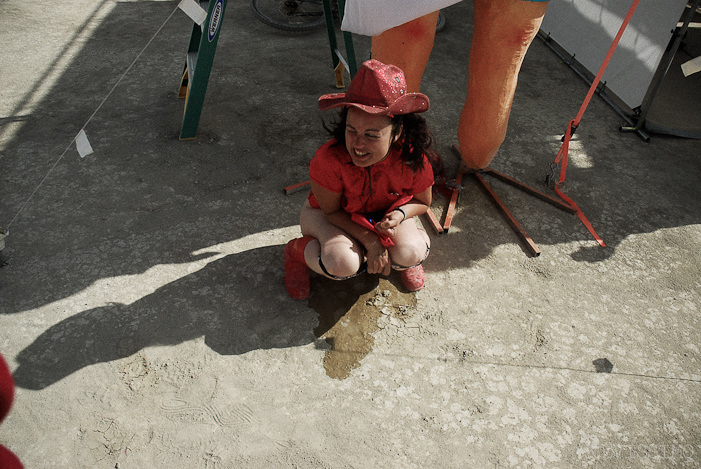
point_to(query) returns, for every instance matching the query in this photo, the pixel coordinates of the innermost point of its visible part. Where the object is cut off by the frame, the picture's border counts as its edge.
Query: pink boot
(413, 278)
(296, 273)
(8, 460)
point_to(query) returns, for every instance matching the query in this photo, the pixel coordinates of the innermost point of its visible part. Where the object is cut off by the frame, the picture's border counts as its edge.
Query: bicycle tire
(282, 21)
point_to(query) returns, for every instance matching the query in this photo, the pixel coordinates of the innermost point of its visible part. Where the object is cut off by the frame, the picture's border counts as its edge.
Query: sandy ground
(142, 306)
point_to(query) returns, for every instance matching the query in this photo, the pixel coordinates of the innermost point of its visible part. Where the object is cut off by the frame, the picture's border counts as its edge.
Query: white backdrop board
(586, 29)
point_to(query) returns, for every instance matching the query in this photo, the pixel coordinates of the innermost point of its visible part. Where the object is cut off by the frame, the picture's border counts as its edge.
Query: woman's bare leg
(408, 46)
(504, 29)
(342, 255)
(410, 244)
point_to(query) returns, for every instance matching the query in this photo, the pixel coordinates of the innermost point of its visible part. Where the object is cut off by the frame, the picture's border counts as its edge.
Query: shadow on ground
(220, 302)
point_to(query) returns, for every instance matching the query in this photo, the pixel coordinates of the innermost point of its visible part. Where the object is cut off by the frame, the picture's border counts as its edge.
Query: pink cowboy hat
(377, 89)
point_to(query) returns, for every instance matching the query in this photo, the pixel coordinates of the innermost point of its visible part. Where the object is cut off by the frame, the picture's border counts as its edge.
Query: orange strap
(574, 123)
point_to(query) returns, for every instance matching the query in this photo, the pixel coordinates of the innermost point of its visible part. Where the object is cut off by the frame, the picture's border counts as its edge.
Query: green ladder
(198, 65)
(339, 63)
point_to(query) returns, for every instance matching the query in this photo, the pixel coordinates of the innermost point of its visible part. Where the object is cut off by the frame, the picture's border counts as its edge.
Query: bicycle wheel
(290, 15)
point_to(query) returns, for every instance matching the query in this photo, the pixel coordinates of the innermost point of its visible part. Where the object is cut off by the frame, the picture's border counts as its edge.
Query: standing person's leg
(503, 31)
(408, 46)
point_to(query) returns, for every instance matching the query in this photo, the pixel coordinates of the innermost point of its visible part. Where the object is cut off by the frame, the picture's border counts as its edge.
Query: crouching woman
(368, 183)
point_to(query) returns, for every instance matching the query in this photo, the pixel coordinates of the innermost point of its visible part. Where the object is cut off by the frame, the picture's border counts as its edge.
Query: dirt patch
(350, 312)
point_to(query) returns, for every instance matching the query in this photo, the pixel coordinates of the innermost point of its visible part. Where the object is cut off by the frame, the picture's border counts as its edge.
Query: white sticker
(194, 11)
(692, 66)
(82, 144)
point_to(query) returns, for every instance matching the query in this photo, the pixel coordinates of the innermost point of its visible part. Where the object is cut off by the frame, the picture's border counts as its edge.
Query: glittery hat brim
(406, 104)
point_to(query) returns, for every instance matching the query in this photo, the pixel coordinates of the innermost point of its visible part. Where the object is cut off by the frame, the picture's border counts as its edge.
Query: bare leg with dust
(408, 46)
(343, 255)
(503, 32)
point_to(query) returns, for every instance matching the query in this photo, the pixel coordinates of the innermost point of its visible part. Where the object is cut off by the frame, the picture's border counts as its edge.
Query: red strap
(581, 216)
(574, 123)
(362, 221)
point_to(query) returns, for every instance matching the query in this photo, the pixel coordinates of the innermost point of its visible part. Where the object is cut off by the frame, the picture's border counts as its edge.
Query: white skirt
(372, 17)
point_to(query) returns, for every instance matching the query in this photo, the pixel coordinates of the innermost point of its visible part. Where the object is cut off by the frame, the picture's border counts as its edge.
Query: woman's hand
(388, 225)
(378, 259)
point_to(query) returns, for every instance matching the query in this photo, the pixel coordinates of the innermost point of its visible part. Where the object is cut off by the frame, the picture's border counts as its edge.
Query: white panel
(587, 28)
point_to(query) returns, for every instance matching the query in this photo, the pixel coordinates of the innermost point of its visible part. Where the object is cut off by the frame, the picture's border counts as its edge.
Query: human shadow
(228, 302)
(238, 303)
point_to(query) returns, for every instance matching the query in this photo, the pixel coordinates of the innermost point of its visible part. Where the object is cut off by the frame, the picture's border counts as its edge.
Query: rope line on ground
(26, 202)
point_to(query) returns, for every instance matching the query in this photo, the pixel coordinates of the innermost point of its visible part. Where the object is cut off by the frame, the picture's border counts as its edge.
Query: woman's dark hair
(415, 141)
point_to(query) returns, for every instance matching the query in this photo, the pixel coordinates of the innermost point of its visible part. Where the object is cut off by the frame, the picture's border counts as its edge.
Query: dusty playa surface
(142, 306)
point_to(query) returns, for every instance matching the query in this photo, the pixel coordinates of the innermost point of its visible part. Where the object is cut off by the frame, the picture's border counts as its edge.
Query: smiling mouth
(361, 154)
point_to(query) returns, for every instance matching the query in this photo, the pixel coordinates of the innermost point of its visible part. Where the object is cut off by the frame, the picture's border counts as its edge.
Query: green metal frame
(203, 46)
(339, 63)
(198, 65)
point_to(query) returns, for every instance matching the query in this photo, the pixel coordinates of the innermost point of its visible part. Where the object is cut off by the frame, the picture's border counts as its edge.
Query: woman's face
(369, 137)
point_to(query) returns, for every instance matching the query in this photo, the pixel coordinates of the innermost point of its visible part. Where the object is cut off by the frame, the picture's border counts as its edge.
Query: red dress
(368, 191)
